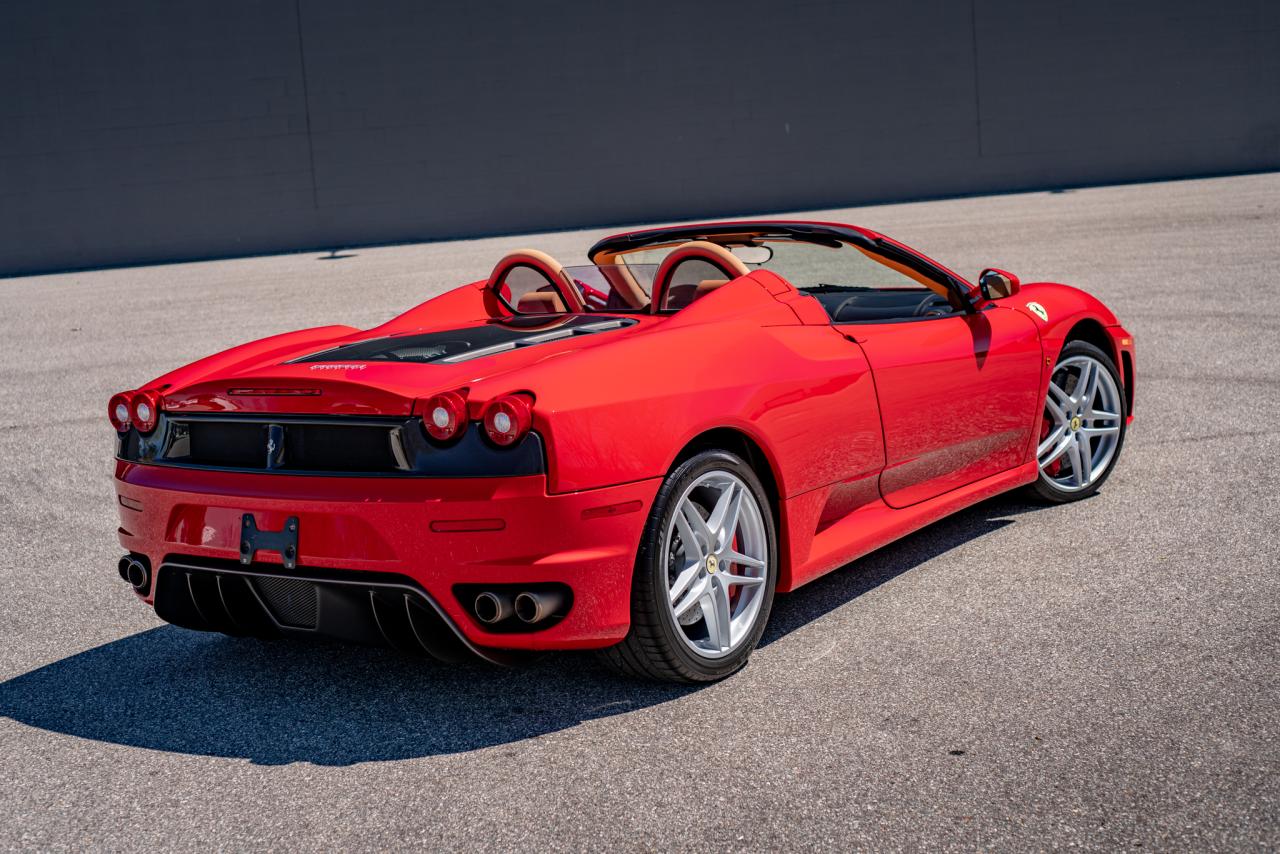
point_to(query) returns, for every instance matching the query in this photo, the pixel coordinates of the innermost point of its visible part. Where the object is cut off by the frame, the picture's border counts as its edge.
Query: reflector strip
(443, 526)
(612, 509)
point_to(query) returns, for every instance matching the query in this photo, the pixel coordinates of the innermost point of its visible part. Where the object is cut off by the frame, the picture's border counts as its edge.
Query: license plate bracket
(254, 539)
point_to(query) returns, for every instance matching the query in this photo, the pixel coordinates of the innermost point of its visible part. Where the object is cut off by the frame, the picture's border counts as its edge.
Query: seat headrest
(548, 268)
(719, 257)
(541, 302)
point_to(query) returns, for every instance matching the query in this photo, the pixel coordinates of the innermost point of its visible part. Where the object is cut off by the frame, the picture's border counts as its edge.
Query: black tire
(652, 648)
(1044, 489)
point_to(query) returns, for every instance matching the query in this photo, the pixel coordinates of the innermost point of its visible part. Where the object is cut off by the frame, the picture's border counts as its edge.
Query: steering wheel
(933, 305)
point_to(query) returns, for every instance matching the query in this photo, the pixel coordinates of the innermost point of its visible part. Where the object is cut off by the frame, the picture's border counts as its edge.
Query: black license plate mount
(254, 539)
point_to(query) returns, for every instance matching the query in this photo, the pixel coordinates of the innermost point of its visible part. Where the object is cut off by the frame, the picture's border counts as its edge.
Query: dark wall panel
(147, 130)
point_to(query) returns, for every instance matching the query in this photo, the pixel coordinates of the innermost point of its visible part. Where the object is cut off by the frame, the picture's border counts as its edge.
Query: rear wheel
(1083, 426)
(705, 574)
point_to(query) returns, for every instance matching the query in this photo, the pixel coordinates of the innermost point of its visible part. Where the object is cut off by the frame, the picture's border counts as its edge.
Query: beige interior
(568, 298)
(540, 302)
(706, 250)
(623, 282)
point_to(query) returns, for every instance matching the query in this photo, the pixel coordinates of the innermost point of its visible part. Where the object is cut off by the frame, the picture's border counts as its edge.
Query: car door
(958, 397)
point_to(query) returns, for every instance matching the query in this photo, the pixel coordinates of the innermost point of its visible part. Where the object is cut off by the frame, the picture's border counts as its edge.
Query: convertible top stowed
(632, 456)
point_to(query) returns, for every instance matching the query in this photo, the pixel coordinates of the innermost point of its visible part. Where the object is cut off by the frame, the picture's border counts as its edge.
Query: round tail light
(508, 418)
(445, 416)
(145, 409)
(118, 412)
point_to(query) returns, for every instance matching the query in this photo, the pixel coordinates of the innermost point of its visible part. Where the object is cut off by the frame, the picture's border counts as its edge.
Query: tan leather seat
(541, 302)
(624, 284)
(565, 297)
(703, 250)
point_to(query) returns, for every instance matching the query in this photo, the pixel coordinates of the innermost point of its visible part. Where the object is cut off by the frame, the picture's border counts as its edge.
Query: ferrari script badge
(1038, 310)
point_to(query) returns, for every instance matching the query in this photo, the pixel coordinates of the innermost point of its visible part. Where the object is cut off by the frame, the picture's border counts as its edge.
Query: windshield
(804, 264)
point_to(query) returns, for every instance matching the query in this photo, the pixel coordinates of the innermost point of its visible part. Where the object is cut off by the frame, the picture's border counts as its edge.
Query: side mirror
(998, 284)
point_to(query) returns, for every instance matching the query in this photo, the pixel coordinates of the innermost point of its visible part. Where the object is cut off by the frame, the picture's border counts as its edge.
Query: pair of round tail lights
(140, 409)
(506, 419)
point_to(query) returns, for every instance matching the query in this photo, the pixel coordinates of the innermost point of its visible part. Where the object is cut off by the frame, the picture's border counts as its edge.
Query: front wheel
(705, 574)
(1083, 426)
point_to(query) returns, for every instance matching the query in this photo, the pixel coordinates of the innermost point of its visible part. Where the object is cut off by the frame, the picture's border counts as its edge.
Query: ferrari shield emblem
(1038, 310)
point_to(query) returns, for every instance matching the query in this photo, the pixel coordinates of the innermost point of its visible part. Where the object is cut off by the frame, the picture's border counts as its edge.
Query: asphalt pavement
(1102, 675)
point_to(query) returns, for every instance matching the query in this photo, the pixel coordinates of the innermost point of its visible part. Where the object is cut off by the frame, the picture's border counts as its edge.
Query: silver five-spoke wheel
(717, 552)
(1083, 420)
(706, 572)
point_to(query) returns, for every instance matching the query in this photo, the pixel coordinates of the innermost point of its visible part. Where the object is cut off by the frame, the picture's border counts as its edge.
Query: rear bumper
(430, 533)
(362, 607)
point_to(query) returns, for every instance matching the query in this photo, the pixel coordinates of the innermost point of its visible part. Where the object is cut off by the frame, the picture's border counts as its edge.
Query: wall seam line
(977, 90)
(306, 103)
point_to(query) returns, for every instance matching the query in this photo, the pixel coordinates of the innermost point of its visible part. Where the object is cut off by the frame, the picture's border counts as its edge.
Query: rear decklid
(383, 374)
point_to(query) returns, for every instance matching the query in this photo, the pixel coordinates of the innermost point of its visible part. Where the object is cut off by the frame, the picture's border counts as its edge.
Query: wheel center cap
(712, 564)
(1075, 424)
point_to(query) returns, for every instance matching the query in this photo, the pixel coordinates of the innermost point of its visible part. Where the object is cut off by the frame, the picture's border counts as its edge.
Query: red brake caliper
(1045, 426)
(736, 590)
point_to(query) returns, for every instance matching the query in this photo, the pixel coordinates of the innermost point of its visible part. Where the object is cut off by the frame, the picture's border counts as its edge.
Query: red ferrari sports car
(632, 456)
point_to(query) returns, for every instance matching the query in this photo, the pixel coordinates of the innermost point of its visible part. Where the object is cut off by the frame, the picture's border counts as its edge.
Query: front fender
(1064, 310)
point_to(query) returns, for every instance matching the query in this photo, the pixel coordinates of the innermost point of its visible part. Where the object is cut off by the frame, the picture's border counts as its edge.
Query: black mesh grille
(293, 602)
(284, 446)
(233, 444)
(328, 447)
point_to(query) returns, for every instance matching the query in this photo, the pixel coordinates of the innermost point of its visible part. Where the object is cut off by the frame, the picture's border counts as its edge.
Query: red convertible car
(633, 455)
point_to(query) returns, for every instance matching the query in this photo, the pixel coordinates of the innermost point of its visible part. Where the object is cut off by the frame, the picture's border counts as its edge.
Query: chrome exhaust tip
(490, 607)
(536, 607)
(136, 573)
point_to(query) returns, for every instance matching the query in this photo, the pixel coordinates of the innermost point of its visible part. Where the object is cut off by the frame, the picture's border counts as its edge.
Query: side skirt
(877, 524)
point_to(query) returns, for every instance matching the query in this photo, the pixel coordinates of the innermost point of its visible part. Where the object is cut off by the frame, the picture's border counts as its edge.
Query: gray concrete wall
(144, 130)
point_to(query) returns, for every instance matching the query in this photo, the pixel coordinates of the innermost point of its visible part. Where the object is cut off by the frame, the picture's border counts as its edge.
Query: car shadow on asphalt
(279, 702)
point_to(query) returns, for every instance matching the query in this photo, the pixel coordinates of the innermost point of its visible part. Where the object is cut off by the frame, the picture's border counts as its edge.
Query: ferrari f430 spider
(632, 455)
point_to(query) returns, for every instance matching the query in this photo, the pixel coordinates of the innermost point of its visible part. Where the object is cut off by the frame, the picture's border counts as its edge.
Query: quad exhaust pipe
(136, 572)
(535, 607)
(491, 607)
(527, 606)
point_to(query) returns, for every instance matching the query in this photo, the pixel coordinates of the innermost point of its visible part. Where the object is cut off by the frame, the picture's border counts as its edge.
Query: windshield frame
(959, 292)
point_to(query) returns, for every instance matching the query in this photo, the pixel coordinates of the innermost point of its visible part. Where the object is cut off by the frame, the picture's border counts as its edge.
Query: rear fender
(623, 412)
(461, 304)
(264, 351)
